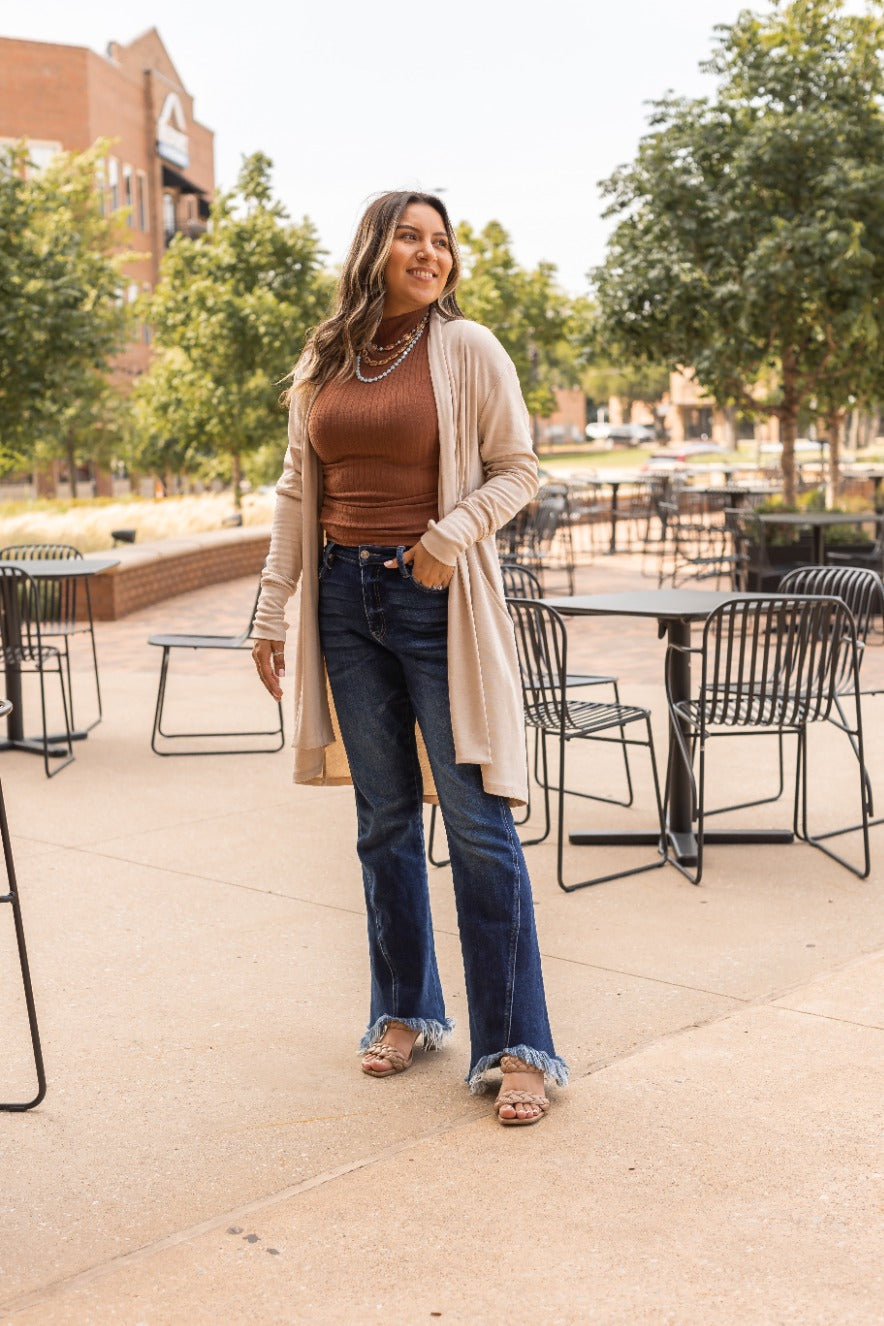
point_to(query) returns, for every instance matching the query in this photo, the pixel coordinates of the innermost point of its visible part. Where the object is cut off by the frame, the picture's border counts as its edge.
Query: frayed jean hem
(433, 1031)
(553, 1068)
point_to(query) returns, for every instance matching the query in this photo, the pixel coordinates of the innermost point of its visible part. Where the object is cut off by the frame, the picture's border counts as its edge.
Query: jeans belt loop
(404, 571)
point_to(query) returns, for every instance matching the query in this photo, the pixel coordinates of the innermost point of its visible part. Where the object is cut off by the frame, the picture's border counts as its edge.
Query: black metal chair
(23, 648)
(223, 644)
(12, 897)
(662, 494)
(542, 644)
(863, 592)
(522, 583)
(699, 543)
(776, 664)
(58, 609)
(540, 536)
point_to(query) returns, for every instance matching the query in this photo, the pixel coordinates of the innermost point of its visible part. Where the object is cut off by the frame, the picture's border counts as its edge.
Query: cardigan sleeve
(509, 466)
(282, 569)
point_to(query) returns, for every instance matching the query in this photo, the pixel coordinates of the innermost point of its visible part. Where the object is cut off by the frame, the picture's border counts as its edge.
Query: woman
(409, 447)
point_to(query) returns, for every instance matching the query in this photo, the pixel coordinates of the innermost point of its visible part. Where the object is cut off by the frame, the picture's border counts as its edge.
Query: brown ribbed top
(379, 447)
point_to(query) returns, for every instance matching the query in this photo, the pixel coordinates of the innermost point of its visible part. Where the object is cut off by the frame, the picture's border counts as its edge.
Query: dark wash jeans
(385, 641)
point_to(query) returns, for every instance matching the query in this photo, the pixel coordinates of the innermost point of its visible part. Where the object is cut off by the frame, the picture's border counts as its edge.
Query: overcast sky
(515, 110)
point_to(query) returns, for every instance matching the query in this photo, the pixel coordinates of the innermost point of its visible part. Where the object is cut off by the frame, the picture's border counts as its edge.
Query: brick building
(160, 163)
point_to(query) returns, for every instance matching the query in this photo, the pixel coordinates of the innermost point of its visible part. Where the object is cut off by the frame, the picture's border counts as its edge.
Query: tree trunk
(729, 429)
(833, 433)
(864, 433)
(237, 482)
(72, 466)
(788, 416)
(875, 430)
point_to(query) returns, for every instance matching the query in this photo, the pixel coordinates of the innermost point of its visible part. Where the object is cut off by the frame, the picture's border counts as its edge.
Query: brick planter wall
(156, 571)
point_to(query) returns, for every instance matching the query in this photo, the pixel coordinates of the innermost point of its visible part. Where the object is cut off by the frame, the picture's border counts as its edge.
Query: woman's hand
(269, 656)
(424, 567)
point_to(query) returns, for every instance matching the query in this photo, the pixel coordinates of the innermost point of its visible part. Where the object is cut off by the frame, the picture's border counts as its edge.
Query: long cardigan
(487, 472)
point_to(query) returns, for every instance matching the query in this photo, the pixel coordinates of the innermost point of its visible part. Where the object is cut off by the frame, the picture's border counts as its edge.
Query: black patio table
(818, 522)
(674, 610)
(615, 482)
(67, 568)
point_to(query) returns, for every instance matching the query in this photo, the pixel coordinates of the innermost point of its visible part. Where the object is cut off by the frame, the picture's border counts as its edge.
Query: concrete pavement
(208, 1150)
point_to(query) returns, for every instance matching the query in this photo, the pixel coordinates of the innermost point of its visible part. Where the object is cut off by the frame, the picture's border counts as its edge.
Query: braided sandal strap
(381, 1050)
(522, 1098)
(511, 1064)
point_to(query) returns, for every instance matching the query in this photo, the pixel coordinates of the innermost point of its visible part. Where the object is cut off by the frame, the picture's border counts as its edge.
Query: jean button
(364, 555)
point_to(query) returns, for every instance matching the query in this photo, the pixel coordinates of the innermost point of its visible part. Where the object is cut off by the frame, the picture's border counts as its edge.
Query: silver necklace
(405, 353)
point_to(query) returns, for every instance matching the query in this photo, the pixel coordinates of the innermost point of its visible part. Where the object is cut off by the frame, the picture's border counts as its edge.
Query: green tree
(750, 243)
(61, 315)
(230, 314)
(526, 309)
(629, 382)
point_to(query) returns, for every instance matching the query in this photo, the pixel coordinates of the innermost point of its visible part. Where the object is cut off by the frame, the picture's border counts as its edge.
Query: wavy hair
(332, 347)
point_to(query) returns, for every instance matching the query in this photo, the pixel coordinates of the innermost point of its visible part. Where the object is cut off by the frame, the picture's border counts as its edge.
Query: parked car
(598, 432)
(687, 451)
(631, 435)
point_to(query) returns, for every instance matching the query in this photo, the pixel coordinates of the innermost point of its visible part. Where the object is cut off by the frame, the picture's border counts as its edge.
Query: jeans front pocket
(438, 590)
(326, 560)
(407, 574)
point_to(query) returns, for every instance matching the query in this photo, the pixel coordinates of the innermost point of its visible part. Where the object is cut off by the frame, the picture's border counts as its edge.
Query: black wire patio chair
(550, 706)
(522, 583)
(65, 610)
(699, 544)
(776, 664)
(220, 644)
(540, 536)
(23, 649)
(863, 593)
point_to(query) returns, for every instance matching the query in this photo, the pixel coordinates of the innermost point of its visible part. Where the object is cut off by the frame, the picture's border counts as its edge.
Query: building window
(113, 182)
(141, 196)
(146, 333)
(101, 185)
(128, 200)
(40, 153)
(170, 223)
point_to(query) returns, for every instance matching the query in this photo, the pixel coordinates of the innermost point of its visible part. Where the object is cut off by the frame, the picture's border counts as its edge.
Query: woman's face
(419, 263)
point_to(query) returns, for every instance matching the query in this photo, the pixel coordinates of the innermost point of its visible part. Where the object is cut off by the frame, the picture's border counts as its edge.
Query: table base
(683, 845)
(34, 745)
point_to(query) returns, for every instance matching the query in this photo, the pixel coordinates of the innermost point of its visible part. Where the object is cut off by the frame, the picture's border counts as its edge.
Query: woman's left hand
(424, 567)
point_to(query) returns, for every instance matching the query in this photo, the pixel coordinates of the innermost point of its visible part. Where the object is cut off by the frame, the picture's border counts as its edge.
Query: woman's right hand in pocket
(269, 656)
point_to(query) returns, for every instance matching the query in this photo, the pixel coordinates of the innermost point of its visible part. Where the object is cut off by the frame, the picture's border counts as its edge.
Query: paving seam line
(34, 1298)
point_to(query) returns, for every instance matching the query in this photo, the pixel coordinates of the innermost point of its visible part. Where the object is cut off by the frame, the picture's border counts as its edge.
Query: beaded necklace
(381, 349)
(413, 338)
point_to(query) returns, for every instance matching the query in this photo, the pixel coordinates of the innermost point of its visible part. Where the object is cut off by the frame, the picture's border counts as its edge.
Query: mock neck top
(378, 443)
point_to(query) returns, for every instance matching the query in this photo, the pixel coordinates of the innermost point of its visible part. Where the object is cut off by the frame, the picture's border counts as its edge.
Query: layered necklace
(392, 354)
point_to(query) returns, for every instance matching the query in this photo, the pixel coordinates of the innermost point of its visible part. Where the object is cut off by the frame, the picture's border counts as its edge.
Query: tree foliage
(528, 312)
(230, 314)
(750, 244)
(61, 314)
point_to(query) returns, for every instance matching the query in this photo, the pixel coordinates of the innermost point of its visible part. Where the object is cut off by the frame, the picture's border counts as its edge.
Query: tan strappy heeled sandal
(510, 1064)
(395, 1059)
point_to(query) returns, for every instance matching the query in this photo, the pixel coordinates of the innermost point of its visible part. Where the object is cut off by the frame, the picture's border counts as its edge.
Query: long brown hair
(332, 347)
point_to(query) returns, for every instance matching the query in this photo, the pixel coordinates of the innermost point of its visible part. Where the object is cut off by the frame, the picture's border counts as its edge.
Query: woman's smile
(420, 261)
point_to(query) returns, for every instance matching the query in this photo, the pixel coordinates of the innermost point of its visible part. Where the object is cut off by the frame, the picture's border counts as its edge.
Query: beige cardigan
(487, 472)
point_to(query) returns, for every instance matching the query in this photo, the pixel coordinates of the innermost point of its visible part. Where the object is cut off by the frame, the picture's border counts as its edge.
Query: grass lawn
(88, 524)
